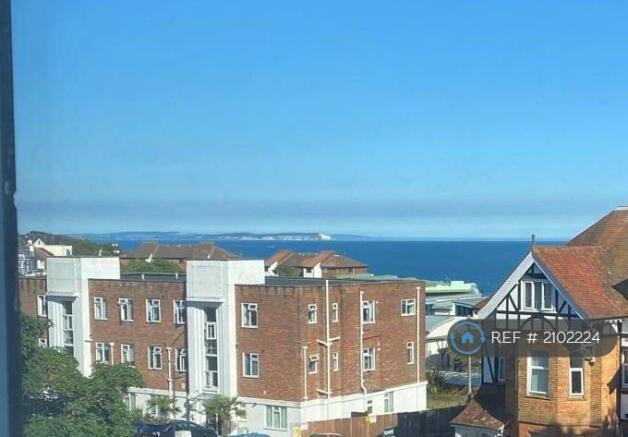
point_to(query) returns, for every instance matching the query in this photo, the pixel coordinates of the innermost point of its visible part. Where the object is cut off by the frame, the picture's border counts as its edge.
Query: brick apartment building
(293, 350)
(578, 393)
(324, 264)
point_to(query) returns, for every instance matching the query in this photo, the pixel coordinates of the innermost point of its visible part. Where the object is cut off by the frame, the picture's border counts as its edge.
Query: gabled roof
(486, 410)
(182, 251)
(41, 253)
(582, 274)
(326, 258)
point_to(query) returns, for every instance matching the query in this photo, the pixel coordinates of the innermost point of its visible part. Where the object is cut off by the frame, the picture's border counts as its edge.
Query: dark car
(168, 429)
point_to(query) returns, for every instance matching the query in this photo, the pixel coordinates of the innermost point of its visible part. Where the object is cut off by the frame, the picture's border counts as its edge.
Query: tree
(60, 402)
(165, 406)
(224, 408)
(283, 270)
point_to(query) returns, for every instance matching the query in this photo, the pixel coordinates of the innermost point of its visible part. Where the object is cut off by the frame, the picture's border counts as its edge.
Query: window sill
(408, 315)
(542, 396)
(248, 327)
(251, 376)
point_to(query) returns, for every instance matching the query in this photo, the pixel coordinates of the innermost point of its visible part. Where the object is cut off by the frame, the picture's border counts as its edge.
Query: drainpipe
(170, 380)
(418, 350)
(328, 344)
(304, 349)
(361, 358)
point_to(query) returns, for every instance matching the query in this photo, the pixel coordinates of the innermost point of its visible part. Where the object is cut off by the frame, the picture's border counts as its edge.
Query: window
(179, 312)
(311, 313)
(68, 327)
(153, 310)
(538, 373)
(153, 407)
(463, 310)
(410, 352)
(250, 365)
(126, 309)
(538, 295)
(369, 407)
(103, 353)
(408, 307)
(42, 306)
(389, 402)
(154, 357)
(335, 362)
(211, 349)
(368, 311)
(312, 364)
(249, 315)
(130, 401)
(576, 374)
(127, 354)
(501, 369)
(368, 359)
(100, 308)
(182, 360)
(429, 309)
(276, 417)
(42, 342)
(334, 312)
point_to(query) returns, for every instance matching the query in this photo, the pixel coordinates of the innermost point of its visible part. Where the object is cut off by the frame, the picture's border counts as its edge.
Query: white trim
(529, 376)
(312, 307)
(506, 287)
(313, 358)
(101, 303)
(406, 301)
(151, 299)
(251, 375)
(249, 306)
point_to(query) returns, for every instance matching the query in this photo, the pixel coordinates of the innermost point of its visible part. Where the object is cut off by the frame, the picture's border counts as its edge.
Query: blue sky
(418, 119)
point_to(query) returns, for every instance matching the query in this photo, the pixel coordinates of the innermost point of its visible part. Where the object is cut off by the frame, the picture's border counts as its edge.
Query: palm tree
(224, 408)
(165, 406)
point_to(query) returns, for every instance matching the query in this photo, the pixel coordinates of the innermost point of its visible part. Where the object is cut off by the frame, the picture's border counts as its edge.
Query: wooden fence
(428, 423)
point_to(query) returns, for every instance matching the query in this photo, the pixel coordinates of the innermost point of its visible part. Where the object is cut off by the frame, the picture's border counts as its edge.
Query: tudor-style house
(293, 350)
(543, 393)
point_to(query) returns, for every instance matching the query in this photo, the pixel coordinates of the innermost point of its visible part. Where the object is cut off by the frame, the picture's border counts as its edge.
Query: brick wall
(283, 332)
(30, 288)
(594, 413)
(139, 332)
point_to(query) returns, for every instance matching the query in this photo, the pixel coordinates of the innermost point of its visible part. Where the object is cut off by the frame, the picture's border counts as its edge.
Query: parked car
(168, 429)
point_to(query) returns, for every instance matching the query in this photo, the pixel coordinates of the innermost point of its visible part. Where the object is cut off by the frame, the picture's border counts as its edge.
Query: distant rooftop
(199, 251)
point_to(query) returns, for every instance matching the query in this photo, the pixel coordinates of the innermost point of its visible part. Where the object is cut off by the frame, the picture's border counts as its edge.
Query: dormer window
(537, 295)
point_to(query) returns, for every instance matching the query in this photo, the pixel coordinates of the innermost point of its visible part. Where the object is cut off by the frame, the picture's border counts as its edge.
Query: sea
(487, 263)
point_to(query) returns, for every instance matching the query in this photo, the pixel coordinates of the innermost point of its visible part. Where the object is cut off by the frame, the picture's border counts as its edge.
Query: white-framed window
(538, 295)
(181, 360)
(334, 312)
(501, 369)
(312, 364)
(42, 306)
(103, 353)
(154, 357)
(369, 406)
(42, 342)
(408, 307)
(68, 327)
(127, 354)
(576, 374)
(368, 359)
(126, 309)
(179, 312)
(250, 365)
(153, 310)
(276, 417)
(335, 362)
(130, 400)
(100, 308)
(249, 315)
(368, 311)
(389, 402)
(312, 313)
(410, 352)
(538, 373)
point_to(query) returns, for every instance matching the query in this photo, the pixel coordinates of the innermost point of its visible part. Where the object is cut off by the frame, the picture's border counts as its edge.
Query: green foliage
(222, 407)
(60, 401)
(435, 381)
(283, 270)
(155, 266)
(165, 406)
